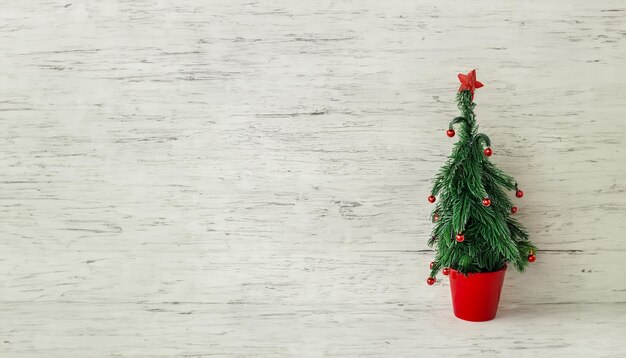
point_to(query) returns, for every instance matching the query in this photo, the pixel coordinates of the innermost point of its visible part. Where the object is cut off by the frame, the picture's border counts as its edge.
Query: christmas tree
(474, 230)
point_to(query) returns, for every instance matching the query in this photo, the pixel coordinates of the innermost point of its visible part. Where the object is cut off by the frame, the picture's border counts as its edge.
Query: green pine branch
(493, 238)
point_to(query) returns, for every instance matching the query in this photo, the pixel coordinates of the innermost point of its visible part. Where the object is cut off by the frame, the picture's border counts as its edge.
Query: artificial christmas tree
(474, 234)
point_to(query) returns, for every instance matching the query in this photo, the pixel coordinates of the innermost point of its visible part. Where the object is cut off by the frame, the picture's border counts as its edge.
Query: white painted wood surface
(248, 179)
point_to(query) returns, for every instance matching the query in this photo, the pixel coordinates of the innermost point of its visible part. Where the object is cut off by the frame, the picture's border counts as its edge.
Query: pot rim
(480, 273)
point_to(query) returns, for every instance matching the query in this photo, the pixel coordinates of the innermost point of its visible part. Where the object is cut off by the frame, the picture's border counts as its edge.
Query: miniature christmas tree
(474, 229)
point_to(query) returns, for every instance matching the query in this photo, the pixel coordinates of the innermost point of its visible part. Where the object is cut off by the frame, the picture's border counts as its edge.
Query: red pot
(475, 297)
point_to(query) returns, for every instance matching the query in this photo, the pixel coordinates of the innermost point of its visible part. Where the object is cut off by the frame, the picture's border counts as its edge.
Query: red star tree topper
(469, 83)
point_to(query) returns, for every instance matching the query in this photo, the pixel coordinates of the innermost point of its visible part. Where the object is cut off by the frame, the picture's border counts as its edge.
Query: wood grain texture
(242, 178)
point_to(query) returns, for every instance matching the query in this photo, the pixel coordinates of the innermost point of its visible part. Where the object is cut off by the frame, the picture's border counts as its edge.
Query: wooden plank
(340, 329)
(158, 271)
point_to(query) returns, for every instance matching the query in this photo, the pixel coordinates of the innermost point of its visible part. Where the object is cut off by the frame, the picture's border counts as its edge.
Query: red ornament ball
(450, 132)
(460, 238)
(514, 210)
(432, 263)
(488, 151)
(436, 217)
(486, 202)
(446, 271)
(532, 258)
(519, 193)
(431, 281)
(432, 199)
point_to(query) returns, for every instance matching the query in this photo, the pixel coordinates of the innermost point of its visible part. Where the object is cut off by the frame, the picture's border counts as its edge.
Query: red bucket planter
(475, 296)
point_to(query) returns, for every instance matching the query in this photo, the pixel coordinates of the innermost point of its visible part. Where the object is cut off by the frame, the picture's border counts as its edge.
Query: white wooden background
(249, 179)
